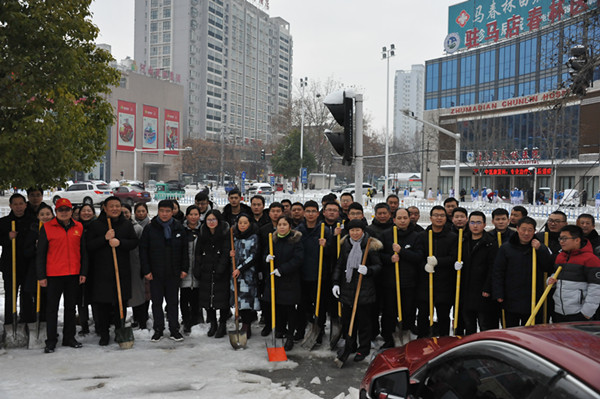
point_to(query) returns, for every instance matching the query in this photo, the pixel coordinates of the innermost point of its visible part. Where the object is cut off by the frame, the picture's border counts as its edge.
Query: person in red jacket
(61, 266)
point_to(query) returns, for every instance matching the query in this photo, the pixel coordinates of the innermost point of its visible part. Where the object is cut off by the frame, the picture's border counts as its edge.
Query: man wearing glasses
(577, 293)
(479, 252)
(556, 221)
(61, 266)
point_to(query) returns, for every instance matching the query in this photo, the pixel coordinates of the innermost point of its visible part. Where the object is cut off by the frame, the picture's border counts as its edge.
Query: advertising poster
(150, 124)
(172, 136)
(125, 126)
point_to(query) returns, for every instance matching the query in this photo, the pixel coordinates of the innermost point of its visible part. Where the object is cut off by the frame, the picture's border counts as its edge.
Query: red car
(545, 361)
(131, 194)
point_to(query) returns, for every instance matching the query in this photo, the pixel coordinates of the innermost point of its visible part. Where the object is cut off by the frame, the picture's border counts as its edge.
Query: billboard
(172, 136)
(150, 125)
(125, 125)
(479, 22)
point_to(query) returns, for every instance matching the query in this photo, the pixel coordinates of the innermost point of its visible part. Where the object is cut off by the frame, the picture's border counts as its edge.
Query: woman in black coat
(212, 269)
(87, 214)
(100, 241)
(288, 255)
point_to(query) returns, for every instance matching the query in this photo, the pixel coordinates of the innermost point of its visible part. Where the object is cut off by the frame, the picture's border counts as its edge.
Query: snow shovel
(533, 281)
(311, 339)
(37, 330)
(431, 286)
(275, 353)
(237, 339)
(545, 311)
(397, 334)
(503, 312)
(335, 332)
(531, 320)
(341, 359)
(458, 272)
(123, 335)
(18, 338)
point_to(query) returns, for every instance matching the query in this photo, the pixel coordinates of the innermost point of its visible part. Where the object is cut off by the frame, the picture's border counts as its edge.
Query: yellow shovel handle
(531, 320)
(272, 264)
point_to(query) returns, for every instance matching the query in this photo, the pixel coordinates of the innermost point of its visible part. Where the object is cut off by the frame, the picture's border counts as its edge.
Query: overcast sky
(332, 38)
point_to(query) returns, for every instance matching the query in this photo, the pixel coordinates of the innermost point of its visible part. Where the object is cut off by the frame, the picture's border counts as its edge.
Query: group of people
(191, 260)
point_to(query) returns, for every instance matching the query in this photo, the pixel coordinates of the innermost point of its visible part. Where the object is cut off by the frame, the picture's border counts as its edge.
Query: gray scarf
(354, 258)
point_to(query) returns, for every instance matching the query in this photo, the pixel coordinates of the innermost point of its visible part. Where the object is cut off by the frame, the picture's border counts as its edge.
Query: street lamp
(303, 84)
(136, 150)
(386, 54)
(534, 170)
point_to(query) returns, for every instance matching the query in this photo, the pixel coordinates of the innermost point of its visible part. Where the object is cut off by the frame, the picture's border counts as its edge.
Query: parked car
(260, 188)
(132, 194)
(85, 192)
(570, 198)
(559, 360)
(168, 191)
(350, 188)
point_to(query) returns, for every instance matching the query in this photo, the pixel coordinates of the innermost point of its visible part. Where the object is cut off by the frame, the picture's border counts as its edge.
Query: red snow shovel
(18, 337)
(276, 353)
(237, 338)
(123, 335)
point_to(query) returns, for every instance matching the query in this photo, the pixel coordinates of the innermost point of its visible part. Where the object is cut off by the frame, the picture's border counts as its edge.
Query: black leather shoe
(104, 340)
(359, 357)
(265, 331)
(73, 343)
(289, 344)
(49, 349)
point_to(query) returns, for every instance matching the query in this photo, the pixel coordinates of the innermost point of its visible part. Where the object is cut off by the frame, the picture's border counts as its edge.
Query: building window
(486, 96)
(431, 103)
(467, 98)
(526, 88)
(505, 92)
(153, 51)
(448, 101)
(449, 71)
(166, 25)
(549, 47)
(153, 38)
(153, 27)
(468, 71)
(166, 13)
(445, 184)
(507, 62)
(528, 56)
(166, 62)
(154, 14)
(166, 49)
(433, 75)
(566, 182)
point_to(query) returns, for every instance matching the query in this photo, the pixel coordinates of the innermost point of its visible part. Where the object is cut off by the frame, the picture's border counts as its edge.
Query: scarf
(166, 227)
(143, 222)
(354, 258)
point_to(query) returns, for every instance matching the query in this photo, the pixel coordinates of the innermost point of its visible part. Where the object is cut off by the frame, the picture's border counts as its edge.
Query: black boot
(289, 344)
(213, 328)
(247, 329)
(221, 330)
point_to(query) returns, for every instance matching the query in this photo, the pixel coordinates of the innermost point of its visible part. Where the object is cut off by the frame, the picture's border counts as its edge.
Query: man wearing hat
(61, 266)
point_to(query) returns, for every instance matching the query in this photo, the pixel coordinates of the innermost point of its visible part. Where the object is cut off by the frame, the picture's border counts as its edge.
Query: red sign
(172, 132)
(150, 126)
(511, 171)
(125, 125)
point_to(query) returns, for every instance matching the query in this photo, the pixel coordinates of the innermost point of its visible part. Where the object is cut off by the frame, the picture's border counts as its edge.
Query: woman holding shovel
(351, 268)
(102, 238)
(245, 242)
(212, 270)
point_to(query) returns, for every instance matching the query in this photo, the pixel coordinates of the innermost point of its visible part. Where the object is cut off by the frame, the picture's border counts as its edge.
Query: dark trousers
(140, 314)
(564, 318)
(247, 316)
(26, 301)
(189, 303)
(516, 319)
(211, 315)
(82, 306)
(67, 287)
(166, 288)
(487, 320)
(107, 313)
(442, 311)
(285, 319)
(390, 310)
(361, 329)
(308, 302)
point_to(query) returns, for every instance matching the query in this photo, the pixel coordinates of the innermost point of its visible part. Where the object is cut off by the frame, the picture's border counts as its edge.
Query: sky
(339, 39)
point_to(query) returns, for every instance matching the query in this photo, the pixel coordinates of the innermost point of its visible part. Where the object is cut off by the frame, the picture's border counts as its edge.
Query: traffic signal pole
(358, 148)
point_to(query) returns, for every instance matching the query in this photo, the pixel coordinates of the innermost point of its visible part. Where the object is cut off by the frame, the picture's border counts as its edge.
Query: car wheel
(56, 198)
(88, 201)
(129, 201)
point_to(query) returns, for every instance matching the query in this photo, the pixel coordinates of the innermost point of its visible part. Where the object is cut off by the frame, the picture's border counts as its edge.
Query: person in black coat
(189, 292)
(164, 260)
(512, 273)
(288, 255)
(409, 258)
(478, 255)
(500, 221)
(587, 223)
(235, 207)
(441, 264)
(212, 269)
(260, 215)
(100, 241)
(345, 282)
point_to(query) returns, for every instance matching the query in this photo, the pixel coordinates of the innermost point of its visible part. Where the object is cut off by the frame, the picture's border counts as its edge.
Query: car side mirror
(393, 385)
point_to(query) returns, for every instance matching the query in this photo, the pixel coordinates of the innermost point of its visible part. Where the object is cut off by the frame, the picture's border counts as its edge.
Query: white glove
(429, 268)
(458, 265)
(276, 273)
(270, 258)
(432, 260)
(362, 269)
(342, 226)
(336, 291)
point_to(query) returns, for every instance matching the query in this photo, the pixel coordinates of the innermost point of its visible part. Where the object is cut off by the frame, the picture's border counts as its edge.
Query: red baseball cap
(63, 202)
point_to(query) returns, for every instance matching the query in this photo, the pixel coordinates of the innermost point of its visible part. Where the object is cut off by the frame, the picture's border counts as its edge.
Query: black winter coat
(504, 237)
(230, 218)
(411, 258)
(161, 257)
(511, 279)
(310, 242)
(377, 229)
(476, 275)
(367, 293)
(103, 285)
(213, 266)
(445, 249)
(289, 255)
(23, 228)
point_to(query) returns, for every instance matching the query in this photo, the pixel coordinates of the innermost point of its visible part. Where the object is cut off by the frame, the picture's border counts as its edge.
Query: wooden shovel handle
(235, 288)
(356, 295)
(114, 253)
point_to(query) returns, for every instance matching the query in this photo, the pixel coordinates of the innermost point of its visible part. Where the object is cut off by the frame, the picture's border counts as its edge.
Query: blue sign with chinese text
(480, 22)
(304, 176)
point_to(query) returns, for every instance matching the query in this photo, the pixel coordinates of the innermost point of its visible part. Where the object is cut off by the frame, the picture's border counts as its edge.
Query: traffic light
(341, 107)
(580, 69)
(122, 173)
(262, 154)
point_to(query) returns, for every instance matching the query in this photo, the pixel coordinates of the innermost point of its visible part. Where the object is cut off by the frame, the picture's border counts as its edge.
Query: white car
(350, 188)
(84, 193)
(260, 188)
